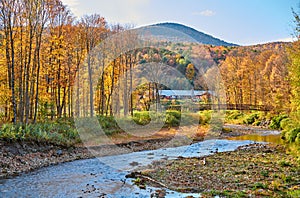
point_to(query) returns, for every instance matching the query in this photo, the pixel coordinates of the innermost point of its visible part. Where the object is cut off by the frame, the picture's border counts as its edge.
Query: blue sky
(243, 22)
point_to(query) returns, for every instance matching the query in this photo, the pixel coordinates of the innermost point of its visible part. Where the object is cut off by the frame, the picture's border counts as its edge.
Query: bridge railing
(241, 107)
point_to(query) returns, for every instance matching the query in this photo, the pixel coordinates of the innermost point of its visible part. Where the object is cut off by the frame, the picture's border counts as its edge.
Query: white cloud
(119, 11)
(289, 39)
(130, 11)
(249, 43)
(72, 4)
(206, 13)
(115, 11)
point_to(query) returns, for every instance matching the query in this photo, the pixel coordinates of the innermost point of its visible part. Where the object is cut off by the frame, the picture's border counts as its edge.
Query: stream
(105, 176)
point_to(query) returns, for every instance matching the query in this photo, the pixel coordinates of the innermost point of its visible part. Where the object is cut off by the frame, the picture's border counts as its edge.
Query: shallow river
(105, 176)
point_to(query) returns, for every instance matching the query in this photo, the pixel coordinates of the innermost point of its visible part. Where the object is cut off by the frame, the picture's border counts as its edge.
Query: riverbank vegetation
(63, 131)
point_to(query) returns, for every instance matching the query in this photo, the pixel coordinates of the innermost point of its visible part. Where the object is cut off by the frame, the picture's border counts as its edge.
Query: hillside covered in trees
(195, 34)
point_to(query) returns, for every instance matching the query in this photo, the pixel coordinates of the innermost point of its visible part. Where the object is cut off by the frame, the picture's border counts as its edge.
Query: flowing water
(105, 176)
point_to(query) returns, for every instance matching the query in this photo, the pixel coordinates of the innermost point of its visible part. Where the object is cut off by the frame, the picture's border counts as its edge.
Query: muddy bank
(232, 130)
(255, 170)
(20, 157)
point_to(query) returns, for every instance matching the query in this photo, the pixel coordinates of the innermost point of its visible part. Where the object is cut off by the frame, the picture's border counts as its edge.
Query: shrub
(216, 124)
(292, 135)
(205, 117)
(250, 119)
(171, 121)
(297, 140)
(142, 118)
(275, 122)
(293, 193)
(176, 114)
(107, 122)
(234, 115)
(286, 123)
(56, 133)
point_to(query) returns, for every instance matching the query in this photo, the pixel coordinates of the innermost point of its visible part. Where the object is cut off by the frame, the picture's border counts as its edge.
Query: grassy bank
(289, 124)
(63, 131)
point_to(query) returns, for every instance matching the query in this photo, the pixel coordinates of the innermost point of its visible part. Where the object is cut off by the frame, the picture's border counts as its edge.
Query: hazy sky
(242, 22)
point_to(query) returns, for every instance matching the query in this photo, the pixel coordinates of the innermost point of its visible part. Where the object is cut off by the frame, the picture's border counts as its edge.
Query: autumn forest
(56, 68)
(43, 47)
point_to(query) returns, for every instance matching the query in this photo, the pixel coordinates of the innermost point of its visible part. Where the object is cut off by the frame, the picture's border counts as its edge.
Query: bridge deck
(241, 107)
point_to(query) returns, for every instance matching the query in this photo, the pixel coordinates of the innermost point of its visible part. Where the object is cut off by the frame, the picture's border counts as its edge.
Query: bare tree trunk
(131, 89)
(125, 101)
(91, 87)
(21, 87)
(27, 78)
(110, 104)
(13, 96)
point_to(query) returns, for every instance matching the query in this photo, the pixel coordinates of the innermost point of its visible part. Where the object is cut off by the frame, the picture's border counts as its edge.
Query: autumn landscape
(91, 108)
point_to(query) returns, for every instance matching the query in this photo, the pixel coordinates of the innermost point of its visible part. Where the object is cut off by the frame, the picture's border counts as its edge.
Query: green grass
(56, 133)
(63, 131)
(254, 118)
(294, 193)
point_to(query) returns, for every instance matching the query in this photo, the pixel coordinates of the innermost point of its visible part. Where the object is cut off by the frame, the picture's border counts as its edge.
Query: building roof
(182, 92)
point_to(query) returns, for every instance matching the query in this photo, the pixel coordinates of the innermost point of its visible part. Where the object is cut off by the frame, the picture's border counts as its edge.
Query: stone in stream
(59, 152)
(134, 163)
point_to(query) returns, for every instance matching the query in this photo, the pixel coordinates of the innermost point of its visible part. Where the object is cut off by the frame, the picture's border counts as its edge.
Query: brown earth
(251, 171)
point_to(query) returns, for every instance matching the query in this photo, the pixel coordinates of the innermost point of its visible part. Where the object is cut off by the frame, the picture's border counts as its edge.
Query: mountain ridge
(195, 34)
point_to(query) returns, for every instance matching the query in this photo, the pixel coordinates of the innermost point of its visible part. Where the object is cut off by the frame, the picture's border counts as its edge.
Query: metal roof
(182, 92)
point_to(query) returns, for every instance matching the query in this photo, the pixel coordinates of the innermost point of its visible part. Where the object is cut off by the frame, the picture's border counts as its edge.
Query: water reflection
(275, 139)
(291, 148)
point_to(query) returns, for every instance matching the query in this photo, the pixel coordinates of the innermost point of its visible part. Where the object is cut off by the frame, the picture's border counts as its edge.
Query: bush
(142, 118)
(107, 122)
(250, 119)
(171, 121)
(172, 118)
(56, 133)
(297, 140)
(176, 114)
(292, 135)
(234, 115)
(286, 124)
(205, 117)
(216, 124)
(275, 122)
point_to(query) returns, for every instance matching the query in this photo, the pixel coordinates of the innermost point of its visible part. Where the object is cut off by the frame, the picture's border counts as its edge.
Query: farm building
(183, 94)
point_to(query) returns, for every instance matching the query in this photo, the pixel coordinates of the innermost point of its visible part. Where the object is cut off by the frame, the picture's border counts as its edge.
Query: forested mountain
(195, 34)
